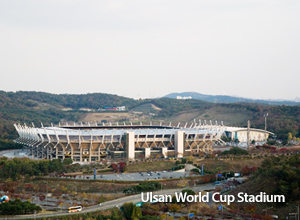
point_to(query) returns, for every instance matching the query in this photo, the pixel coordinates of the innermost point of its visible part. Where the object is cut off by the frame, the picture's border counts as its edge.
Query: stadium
(87, 143)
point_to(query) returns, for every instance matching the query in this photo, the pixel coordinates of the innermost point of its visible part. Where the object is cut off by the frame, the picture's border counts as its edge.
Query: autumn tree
(289, 136)
(174, 208)
(250, 208)
(115, 167)
(122, 166)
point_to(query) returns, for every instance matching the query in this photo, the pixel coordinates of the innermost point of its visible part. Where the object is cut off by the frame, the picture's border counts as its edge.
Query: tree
(128, 209)
(42, 197)
(64, 188)
(61, 204)
(136, 213)
(289, 136)
(248, 170)
(68, 161)
(187, 192)
(55, 165)
(250, 208)
(18, 207)
(226, 139)
(190, 158)
(235, 151)
(174, 208)
(115, 167)
(122, 166)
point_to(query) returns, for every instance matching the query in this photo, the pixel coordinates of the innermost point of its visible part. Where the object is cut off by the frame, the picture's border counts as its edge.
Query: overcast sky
(149, 48)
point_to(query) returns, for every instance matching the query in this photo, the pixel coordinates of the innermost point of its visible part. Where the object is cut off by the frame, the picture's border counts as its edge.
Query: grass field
(217, 113)
(229, 165)
(83, 186)
(150, 166)
(210, 164)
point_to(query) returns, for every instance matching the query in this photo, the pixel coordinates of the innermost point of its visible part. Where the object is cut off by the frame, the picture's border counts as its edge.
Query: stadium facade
(86, 143)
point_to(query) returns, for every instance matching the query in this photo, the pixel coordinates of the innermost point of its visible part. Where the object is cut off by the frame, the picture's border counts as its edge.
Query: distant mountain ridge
(229, 99)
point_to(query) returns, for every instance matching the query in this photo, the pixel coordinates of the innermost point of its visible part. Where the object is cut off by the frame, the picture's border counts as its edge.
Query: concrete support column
(64, 151)
(99, 153)
(90, 153)
(164, 152)
(32, 153)
(179, 144)
(72, 153)
(147, 152)
(80, 149)
(47, 152)
(130, 145)
(42, 152)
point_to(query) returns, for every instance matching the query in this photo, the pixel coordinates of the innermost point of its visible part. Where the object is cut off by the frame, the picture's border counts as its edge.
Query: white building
(240, 134)
(121, 108)
(183, 97)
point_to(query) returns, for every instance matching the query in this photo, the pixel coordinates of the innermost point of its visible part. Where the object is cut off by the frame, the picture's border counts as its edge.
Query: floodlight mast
(266, 115)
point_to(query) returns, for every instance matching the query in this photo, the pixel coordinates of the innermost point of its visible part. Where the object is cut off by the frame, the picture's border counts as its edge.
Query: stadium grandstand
(92, 142)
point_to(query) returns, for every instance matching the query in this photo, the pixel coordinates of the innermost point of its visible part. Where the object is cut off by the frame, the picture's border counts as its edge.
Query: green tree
(235, 151)
(128, 209)
(17, 207)
(67, 161)
(136, 213)
(55, 165)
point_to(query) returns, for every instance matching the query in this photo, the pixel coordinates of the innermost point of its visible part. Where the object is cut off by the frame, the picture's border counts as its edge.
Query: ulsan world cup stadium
(92, 142)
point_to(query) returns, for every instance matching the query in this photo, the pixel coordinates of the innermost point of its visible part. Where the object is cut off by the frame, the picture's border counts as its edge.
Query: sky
(150, 48)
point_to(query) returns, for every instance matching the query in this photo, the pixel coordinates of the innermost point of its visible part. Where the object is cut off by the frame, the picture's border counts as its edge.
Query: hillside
(216, 113)
(276, 176)
(282, 173)
(282, 119)
(229, 99)
(36, 107)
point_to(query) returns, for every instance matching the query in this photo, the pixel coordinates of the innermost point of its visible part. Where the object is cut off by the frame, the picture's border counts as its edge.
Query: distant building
(120, 108)
(67, 109)
(86, 109)
(240, 134)
(183, 97)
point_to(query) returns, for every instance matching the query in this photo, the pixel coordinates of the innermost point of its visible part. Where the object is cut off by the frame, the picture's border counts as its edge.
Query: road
(118, 202)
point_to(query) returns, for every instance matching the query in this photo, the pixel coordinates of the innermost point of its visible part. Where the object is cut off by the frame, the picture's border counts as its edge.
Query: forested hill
(278, 175)
(36, 107)
(93, 100)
